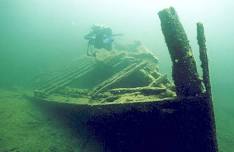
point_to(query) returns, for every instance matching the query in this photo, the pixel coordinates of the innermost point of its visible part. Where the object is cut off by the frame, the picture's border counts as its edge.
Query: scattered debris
(119, 77)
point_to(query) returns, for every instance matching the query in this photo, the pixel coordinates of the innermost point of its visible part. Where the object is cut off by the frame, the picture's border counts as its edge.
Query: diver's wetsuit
(100, 38)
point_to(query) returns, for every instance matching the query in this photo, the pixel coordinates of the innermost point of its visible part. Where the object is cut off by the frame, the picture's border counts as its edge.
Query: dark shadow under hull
(180, 125)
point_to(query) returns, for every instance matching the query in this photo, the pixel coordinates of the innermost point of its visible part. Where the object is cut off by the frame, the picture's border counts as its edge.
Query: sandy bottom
(225, 125)
(25, 128)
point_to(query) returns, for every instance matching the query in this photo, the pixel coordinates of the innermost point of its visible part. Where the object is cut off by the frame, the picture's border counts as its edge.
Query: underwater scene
(116, 76)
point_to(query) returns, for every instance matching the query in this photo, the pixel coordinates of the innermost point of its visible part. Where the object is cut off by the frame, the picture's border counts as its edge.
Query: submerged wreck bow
(123, 103)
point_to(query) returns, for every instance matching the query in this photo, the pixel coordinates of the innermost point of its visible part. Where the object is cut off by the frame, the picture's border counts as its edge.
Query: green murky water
(40, 35)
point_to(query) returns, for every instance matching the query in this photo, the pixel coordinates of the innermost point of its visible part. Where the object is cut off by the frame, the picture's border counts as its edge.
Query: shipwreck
(122, 103)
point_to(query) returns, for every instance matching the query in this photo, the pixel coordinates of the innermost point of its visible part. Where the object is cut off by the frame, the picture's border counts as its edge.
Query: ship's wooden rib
(117, 77)
(159, 80)
(63, 74)
(67, 80)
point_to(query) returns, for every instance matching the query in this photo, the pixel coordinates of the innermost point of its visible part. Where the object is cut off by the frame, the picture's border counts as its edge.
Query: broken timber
(203, 57)
(184, 71)
(63, 79)
(117, 77)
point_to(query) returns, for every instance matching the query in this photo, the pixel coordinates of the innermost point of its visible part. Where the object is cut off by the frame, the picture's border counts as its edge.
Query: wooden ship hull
(132, 106)
(184, 125)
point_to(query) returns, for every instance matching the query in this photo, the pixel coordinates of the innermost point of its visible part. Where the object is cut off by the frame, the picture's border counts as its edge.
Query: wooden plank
(118, 76)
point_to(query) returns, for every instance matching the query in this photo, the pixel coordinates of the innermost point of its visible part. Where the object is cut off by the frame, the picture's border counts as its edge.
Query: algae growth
(38, 37)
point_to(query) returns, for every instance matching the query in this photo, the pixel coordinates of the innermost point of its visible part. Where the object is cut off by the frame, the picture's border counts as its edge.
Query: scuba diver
(100, 37)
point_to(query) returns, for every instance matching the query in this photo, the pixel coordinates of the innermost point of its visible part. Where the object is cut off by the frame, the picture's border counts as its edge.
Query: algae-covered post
(206, 78)
(184, 71)
(203, 57)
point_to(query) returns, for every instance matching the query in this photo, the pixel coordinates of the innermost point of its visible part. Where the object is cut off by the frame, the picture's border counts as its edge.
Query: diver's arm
(90, 35)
